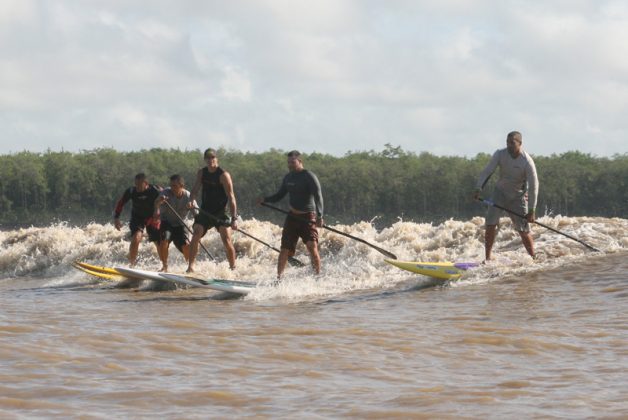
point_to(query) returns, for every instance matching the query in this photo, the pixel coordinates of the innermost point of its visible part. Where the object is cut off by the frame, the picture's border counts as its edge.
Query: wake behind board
(439, 270)
(231, 286)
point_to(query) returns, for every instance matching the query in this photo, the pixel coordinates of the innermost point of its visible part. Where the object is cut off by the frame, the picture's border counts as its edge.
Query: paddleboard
(231, 286)
(98, 274)
(96, 268)
(439, 270)
(135, 273)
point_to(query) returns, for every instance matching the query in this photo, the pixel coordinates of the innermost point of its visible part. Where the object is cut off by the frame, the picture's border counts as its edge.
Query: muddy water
(514, 338)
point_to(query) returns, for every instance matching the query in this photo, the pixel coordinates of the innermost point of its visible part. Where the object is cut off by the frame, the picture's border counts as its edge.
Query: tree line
(38, 188)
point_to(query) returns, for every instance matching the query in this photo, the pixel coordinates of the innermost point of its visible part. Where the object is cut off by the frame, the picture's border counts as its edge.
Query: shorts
(152, 229)
(298, 226)
(216, 220)
(518, 205)
(174, 234)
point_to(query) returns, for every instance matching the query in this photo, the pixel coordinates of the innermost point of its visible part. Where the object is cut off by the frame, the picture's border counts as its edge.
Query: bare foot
(190, 270)
(163, 269)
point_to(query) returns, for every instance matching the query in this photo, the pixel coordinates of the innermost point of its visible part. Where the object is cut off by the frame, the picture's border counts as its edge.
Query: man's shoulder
(526, 156)
(224, 176)
(310, 174)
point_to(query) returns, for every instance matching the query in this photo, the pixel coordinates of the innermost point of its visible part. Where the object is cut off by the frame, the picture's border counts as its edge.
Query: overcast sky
(450, 77)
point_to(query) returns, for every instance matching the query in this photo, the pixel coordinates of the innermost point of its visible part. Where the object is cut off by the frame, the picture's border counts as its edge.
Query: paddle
(490, 203)
(293, 261)
(383, 251)
(188, 229)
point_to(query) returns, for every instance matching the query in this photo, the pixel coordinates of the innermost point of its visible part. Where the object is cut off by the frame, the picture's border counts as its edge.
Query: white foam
(347, 264)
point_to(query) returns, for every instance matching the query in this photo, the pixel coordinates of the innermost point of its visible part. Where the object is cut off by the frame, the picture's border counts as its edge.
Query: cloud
(448, 77)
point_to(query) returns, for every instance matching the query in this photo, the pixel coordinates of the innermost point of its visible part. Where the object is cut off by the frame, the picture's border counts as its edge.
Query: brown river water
(514, 338)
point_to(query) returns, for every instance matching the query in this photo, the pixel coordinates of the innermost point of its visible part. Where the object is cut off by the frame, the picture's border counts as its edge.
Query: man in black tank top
(142, 197)
(217, 192)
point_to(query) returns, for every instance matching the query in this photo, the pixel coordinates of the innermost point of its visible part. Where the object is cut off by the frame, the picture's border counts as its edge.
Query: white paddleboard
(135, 273)
(231, 286)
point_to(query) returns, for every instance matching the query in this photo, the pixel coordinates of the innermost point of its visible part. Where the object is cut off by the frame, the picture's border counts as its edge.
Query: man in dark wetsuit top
(306, 212)
(142, 197)
(217, 192)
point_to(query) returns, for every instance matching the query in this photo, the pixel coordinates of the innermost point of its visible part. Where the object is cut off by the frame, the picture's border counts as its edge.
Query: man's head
(294, 161)
(211, 158)
(513, 143)
(177, 183)
(141, 182)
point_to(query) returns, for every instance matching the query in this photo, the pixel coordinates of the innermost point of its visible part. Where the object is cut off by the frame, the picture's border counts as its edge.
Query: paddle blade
(295, 263)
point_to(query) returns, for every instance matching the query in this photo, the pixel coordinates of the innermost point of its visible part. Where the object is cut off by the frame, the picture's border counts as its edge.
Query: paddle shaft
(188, 229)
(381, 250)
(490, 203)
(293, 261)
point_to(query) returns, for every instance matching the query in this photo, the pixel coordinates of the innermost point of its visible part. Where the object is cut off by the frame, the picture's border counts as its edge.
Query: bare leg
(135, 246)
(225, 235)
(162, 249)
(283, 259)
(196, 238)
(489, 240)
(185, 250)
(312, 247)
(528, 242)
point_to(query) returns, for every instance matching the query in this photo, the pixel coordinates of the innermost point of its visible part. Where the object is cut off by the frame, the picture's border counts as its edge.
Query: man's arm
(119, 206)
(227, 184)
(533, 189)
(158, 202)
(315, 188)
(486, 173)
(283, 190)
(198, 182)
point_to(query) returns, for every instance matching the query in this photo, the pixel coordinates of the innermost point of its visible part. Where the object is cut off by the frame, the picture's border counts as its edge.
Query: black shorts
(216, 220)
(137, 224)
(299, 226)
(174, 234)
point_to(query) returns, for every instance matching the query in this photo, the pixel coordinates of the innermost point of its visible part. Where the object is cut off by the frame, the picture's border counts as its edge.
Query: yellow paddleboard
(439, 270)
(98, 269)
(98, 274)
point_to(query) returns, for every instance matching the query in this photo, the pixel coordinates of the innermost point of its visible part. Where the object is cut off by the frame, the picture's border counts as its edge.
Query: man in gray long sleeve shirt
(517, 189)
(306, 212)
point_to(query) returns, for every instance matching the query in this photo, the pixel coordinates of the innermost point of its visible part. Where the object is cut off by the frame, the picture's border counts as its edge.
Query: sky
(448, 77)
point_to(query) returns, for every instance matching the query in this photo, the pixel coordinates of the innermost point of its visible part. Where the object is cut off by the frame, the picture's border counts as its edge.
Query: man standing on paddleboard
(142, 197)
(174, 206)
(217, 191)
(517, 190)
(306, 212)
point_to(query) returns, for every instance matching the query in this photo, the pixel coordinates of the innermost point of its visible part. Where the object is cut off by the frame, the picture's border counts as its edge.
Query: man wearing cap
(517, 189)
(217, 191)
(306, 212)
